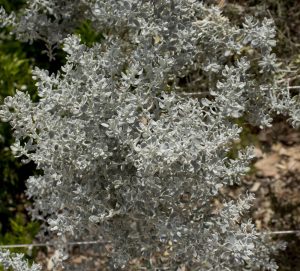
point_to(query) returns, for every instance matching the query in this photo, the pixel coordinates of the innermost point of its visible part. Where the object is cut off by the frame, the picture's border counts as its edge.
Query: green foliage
(15, 69)
(247, 137)
(10, 5)
(88, 33)
(21, 232)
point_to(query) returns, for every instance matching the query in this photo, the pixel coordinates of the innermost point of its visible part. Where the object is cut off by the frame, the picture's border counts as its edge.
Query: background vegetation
(15, 73)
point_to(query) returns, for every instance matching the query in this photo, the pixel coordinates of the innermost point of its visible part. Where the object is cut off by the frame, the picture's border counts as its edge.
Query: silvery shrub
(16, 262)
(125, 154)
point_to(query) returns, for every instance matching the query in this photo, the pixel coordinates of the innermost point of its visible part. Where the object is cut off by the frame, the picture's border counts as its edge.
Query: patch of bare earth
(276, 185)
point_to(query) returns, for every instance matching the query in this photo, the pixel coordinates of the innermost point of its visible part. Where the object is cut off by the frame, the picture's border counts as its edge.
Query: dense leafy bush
(125, 154)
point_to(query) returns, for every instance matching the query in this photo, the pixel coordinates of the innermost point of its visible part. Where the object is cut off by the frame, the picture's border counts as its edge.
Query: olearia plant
(124, 155)
(16, 262)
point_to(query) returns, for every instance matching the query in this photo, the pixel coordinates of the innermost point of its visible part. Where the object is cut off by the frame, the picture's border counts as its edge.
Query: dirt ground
(275, 181)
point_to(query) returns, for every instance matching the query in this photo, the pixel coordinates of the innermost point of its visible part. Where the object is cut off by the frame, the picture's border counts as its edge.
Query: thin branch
(108, 242)
(54, 244)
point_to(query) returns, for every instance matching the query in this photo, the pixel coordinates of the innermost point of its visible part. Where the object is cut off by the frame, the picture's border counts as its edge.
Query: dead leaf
(79, 259)
(267, 165)
(258, 152)
(255, 187)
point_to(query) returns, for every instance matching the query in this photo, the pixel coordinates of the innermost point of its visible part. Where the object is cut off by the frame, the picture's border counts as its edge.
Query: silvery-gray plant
(16, 262)
(125, 154)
